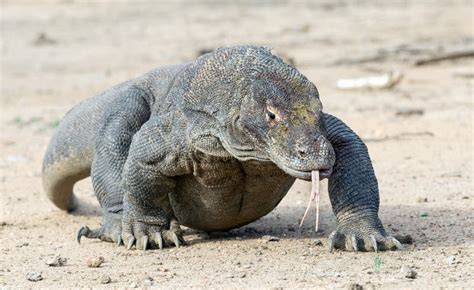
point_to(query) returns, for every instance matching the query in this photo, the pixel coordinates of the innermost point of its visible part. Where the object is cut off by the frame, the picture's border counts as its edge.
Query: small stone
(105, 279)
(162, 269)
(148, 281)
(43, 39)
(421, 199)
(408, 272)
(452, 260)
(243, 275)
(94, 262)
(56, 261)
(354, 286)
(317, 242)
(34, 276)
(268, 238)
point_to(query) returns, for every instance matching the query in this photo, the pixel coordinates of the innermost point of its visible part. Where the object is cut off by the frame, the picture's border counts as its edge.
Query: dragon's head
(286, 126)
(268, 111)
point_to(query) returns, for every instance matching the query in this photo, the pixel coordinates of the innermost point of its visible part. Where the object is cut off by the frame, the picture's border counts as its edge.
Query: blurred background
(400, 73)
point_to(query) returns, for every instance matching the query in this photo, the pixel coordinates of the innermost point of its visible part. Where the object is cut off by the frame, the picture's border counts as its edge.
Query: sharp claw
(354, 242)
(397, 243)
(331, 240)
(175, 239)
(82, 232)
(374, 243)
(119, 239)
(159, 239)
(130, 243)
(144, 242)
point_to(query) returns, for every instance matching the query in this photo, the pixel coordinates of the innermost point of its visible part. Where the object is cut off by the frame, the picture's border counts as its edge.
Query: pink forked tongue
(313, 197)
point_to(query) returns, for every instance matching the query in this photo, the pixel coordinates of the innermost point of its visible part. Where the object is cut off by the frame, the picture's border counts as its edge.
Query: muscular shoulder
(161, 144)
(157, 83)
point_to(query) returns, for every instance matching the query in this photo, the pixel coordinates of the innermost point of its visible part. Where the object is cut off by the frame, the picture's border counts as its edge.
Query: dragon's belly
(226, 195)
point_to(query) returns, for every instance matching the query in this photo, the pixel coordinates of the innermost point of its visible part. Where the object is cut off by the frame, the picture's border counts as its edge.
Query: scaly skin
(213, 145)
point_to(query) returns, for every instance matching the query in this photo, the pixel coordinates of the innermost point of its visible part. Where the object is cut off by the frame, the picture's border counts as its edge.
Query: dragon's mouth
(306, 175)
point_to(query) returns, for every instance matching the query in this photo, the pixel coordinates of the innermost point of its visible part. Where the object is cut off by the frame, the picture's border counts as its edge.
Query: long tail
(69, 156)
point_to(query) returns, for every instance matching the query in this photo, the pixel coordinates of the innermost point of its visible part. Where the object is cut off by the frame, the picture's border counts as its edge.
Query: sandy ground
(55, 54)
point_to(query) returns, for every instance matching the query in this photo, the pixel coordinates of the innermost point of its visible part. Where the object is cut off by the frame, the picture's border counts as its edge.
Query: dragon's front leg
(354, 195)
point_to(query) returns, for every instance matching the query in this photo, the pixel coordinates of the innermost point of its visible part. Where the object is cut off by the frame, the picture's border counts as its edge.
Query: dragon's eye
(271, 116)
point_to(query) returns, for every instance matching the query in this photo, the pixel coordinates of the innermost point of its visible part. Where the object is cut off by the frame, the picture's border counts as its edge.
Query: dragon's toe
(354, 240)
(109, 231)
(149, 236)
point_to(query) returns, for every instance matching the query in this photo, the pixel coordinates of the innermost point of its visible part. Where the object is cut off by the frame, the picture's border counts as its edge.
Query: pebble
(355, 286)
(408, 272)
(56, 261)
(148, 281)
(94, 262)
(34, 276)
(26, 244)
(452, 260)
(105, 279)
(421, 199)
(317, 242)
(268, 238)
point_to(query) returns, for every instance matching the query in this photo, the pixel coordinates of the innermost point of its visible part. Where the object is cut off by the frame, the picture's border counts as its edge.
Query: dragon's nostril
(301, 152)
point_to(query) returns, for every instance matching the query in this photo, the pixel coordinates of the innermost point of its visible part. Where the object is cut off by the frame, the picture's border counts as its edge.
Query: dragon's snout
(306, 155)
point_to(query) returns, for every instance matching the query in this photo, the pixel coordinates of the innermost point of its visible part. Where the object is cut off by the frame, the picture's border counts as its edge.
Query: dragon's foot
(151, 236)
(109, 231)
(366, 234)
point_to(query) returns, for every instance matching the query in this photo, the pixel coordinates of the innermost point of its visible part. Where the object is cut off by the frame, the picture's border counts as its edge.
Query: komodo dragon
(212, 145)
